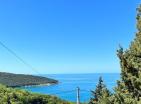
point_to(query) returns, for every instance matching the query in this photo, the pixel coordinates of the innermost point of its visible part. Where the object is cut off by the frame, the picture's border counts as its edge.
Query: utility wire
(85, 90)
(70, 91)
(63, 92)
(18, 57)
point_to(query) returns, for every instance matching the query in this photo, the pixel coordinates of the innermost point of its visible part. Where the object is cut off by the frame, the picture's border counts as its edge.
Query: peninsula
(18, 80)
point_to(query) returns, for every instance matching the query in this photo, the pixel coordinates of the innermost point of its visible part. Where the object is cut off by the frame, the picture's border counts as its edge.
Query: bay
(68, 83)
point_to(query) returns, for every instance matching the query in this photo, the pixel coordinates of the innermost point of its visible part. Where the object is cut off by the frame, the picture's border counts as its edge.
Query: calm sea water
(66, 89)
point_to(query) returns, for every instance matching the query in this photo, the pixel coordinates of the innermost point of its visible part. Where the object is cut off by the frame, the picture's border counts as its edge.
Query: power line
(63, 92)
(18, 57)
(85, 90)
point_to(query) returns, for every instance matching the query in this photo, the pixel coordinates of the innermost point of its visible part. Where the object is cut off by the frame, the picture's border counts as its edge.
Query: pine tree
(128, 90)
(100, 92)
(130, 61)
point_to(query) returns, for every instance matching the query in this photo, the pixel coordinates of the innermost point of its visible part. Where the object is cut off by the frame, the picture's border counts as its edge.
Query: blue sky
(65, 36)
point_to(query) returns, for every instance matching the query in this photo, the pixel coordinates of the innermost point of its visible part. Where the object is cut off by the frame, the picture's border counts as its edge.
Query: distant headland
(19, 80)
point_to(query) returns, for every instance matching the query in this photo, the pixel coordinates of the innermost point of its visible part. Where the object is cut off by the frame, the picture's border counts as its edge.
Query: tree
(99, 93)
(128, 89)
(130, 61)
(16, 96)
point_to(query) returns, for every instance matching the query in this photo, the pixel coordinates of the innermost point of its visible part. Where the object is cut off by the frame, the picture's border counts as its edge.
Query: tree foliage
(100, 93)
(130, 61)
(128, 89)
(16, 96)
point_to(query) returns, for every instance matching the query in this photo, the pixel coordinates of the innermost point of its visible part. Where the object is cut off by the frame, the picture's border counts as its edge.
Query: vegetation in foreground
(128, 89)
(16, 96)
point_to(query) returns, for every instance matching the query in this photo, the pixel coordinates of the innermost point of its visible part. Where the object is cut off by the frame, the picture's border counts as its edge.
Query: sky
(65, 36)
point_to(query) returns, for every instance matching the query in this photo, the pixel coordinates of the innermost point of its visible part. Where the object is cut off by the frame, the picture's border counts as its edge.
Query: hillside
(16, 96)
(17, 80)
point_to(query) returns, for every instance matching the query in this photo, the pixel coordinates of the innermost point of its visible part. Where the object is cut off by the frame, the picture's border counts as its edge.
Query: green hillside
(16, 96)
(16, 80)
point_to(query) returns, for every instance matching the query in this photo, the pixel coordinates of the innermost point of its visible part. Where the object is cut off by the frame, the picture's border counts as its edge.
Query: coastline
(20, 80)
(38, 85)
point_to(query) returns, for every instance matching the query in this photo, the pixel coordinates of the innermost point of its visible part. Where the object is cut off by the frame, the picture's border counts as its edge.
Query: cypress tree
(130, 61)
(128, 90)
(100, 92)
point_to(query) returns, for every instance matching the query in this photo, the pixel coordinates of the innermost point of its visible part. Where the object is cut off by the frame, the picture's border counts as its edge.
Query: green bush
(16, 96)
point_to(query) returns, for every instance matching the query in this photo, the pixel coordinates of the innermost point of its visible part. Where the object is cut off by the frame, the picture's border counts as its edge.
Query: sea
(69, 83)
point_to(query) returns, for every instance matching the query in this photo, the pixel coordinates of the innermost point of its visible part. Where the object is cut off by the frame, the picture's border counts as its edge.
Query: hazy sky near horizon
(65, 36)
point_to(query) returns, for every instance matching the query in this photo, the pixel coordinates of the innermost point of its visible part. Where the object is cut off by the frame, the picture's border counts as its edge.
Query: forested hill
(17, 80)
